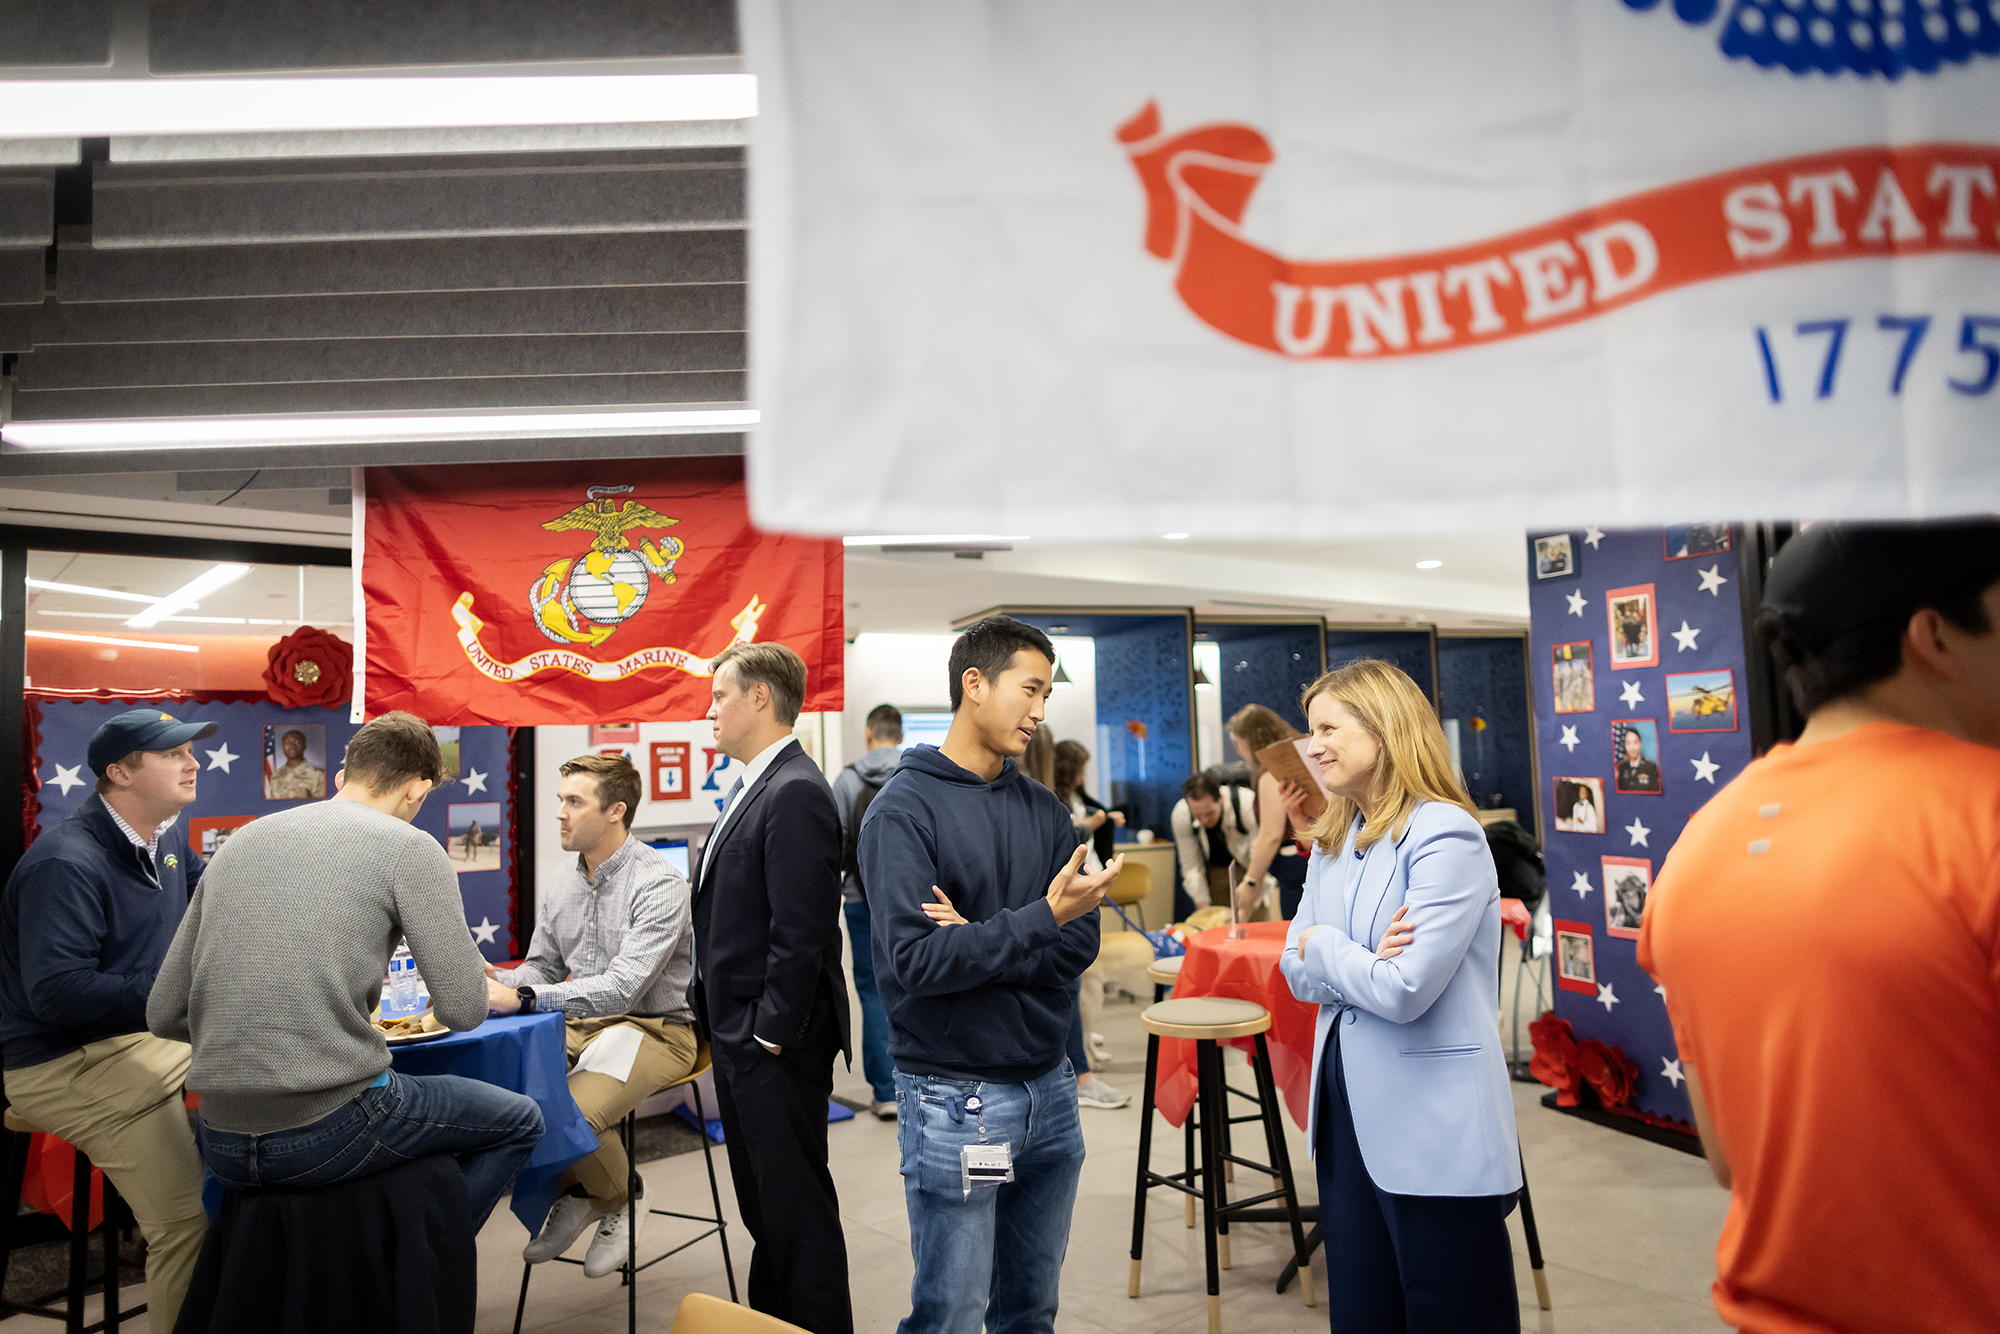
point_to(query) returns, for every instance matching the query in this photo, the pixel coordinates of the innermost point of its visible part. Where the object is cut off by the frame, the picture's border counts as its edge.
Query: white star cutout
(1684, 637)
(1606, 997)
(1592, 536)
(1569, 741)
(483, 933)
(1671, 1070)
(1576, 603)
(1712, 580)
(1704, 769)
(1581, 884)
(475, 781)
(220, 758)
(66, 777)
(1630, 696)
(1638, 833)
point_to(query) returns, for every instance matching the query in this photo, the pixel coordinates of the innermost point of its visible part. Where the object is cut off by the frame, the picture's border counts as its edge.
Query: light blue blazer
(1420, 1034)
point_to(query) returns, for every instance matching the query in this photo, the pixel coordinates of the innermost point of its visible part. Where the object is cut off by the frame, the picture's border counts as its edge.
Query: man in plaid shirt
(612, 952)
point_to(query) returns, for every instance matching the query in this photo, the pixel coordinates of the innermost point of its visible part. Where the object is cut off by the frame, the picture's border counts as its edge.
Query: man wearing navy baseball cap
(85, 921)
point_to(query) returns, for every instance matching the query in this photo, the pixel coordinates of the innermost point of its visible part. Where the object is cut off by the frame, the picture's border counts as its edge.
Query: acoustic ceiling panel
(27, 208)
(605, 259)
(21, 273)
(55, 32)
(156, 204)
(303, 361)
(381, 396)
(202, 36)
(596, 310)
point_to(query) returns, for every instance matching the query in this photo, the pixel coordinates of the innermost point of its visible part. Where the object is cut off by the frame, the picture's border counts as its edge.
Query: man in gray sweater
(278, 966)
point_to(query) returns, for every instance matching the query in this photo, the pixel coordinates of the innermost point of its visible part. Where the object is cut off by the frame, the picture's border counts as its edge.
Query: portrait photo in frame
(1576, 957)
(1580, 805)
(1634, 617)
(295, 762)
(1555, 556)
(1627, 881)
(1635, 757)
(1574, 679)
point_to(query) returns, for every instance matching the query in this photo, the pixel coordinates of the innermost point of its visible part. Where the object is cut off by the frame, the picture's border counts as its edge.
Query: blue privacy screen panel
(1265, 664)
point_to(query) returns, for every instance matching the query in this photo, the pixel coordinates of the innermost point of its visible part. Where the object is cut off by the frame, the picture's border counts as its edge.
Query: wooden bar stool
(1209, 1021)
(71, 1314)
(1163, 974)
(718, 1226)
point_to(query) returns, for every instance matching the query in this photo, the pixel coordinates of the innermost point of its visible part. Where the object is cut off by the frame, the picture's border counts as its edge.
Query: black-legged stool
(718, 1227)
(1209, 1021)
(1163, 974)
(20, 1133)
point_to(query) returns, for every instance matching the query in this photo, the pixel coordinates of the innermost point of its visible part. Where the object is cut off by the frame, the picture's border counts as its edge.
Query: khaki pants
(666, 1054)
(119, 1100)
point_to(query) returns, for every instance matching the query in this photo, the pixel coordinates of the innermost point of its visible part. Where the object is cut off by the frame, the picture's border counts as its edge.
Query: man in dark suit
(769, 989)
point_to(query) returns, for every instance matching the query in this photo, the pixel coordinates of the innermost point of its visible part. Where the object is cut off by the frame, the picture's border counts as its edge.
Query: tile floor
(1628, 1229)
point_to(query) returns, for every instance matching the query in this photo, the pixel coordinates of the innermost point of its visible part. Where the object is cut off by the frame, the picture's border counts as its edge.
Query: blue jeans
(996, 1257)
(489, 1130)
(875, 1064)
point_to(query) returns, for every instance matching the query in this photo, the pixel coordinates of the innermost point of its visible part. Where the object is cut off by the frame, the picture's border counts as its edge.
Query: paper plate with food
(412, 1028)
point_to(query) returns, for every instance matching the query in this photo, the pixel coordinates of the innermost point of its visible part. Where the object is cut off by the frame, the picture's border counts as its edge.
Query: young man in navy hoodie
(982, 922)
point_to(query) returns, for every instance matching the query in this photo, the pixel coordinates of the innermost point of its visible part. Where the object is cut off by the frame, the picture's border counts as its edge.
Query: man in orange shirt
(1827, 931)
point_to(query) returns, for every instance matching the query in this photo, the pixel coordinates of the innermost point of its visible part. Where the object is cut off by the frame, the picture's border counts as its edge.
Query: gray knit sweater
(278, 965)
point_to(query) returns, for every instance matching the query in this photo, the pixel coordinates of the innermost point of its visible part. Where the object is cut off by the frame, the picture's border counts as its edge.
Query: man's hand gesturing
(1072, 894)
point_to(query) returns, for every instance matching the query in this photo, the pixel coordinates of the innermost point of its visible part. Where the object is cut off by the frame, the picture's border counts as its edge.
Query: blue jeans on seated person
(489, 1130)
(993, 1258)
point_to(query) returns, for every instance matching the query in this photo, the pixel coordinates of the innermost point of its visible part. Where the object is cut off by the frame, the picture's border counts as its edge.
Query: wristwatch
(527, 995)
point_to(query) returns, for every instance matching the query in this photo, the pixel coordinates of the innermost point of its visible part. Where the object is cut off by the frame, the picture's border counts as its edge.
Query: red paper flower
(310, 667)
(1608, 1071)
(1555, 1061)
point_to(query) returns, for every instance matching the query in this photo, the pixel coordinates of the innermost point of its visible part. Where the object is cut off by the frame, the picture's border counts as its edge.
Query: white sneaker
(1100, 1051)
(1098, 1092)
(566, 1222)
(884, 1111)
(611, 1248)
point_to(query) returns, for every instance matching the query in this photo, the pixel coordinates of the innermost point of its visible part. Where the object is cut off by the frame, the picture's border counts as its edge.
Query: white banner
(1279, 270)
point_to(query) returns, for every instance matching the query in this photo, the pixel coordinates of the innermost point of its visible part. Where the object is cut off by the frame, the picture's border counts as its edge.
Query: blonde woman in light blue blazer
(1397, 941)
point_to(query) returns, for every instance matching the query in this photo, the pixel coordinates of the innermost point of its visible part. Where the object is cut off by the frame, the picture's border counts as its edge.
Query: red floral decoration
(1555, 1058)
(310, 667)
(1608, 1071)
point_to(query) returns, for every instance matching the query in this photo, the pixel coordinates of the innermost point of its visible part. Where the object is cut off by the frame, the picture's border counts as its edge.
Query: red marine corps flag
(538, 593)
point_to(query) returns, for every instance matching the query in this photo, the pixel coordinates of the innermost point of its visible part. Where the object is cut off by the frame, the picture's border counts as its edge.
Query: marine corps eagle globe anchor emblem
(580, 601)
(583, 600)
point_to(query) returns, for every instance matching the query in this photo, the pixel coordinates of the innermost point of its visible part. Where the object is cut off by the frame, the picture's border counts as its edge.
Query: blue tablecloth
(524, 1054)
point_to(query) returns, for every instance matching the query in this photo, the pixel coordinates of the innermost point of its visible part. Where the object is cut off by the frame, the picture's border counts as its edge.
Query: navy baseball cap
(141, 729)
(1834, 578)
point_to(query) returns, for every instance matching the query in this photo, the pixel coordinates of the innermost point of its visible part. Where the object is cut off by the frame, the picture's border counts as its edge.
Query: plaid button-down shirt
(620, 937)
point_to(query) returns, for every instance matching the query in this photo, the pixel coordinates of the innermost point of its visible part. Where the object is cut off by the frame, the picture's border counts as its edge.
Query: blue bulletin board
(251, 738)
(1636, 650)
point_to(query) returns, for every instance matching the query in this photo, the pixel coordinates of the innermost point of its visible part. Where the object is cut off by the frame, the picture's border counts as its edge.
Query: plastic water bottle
(406, 984)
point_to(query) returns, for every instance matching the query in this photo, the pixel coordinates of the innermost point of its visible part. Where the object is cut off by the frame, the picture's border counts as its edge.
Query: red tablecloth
(1244, 969)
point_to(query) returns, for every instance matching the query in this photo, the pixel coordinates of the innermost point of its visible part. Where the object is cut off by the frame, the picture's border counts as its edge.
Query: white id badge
(985, 1165)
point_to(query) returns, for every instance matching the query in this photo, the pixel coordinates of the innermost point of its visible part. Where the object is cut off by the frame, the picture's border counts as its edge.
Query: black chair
(718, 1227)
(391, 1253)
(20, 1136)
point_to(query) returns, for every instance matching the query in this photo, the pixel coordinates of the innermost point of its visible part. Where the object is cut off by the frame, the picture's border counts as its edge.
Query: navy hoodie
(989, 1000)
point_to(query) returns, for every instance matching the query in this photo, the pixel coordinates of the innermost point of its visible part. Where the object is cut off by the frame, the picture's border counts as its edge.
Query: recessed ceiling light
(1174, 537)
(1429, 564)
(99, 108)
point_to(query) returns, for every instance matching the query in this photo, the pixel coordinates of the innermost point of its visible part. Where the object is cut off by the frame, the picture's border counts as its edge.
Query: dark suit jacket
(767, 911)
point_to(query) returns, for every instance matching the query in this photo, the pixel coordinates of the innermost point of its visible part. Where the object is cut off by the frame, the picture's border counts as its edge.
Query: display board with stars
(1636, 644)
(231, 790)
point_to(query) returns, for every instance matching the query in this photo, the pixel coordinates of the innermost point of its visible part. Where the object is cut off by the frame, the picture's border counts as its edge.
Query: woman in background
(1397, 941)
(1094, 824)
(1252, 728)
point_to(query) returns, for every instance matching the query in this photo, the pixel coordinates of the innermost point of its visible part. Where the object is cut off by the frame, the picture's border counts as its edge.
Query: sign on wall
(1483, 265)
(545, 592)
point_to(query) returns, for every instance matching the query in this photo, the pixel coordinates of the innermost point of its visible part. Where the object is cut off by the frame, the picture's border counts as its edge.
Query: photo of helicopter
(1701, 701)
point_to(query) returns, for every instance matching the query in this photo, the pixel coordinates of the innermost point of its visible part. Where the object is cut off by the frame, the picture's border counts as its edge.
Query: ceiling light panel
(188, 432)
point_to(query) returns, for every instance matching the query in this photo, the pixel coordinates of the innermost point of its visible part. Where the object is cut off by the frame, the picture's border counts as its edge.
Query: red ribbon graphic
(1852, 204)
